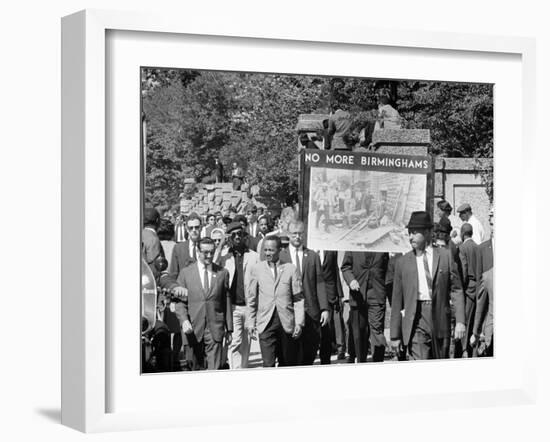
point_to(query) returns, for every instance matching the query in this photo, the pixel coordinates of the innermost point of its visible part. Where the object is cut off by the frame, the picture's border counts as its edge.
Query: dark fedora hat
(420, 220)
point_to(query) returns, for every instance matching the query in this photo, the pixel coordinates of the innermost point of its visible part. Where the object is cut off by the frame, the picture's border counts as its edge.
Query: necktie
(206, 285)
(298, 264)
(194, 252)
(427, 272)
(275, 270)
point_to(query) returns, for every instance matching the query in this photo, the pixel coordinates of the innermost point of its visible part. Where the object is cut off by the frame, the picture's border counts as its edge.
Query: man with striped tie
(425, 281)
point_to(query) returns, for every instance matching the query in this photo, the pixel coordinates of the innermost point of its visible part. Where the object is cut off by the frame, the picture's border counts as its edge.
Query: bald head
(466, 231)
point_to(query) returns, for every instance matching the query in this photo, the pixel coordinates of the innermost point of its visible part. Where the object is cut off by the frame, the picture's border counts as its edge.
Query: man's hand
(473, 340)
(228, 337)
(180, 292)
(460, 330)
(325, 316)
(297, 331)
(187, 327)
(252, 332)
(397, 345)
(354, 285)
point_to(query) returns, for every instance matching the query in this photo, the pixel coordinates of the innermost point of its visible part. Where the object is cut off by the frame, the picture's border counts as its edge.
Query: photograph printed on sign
(363, 210)
(298, 220)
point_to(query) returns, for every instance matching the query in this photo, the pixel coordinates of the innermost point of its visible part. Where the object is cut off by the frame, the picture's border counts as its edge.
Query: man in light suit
(207, 317)
(239, 262)
(425, 281)
(315, 296)
(276, 306)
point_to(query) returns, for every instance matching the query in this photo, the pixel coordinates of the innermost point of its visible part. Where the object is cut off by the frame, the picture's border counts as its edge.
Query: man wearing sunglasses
(238, 262)
(206, 317)
(425, 281)
(186, 252)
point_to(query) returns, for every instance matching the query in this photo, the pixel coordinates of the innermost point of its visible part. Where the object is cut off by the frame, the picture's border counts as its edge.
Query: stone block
(401, 137)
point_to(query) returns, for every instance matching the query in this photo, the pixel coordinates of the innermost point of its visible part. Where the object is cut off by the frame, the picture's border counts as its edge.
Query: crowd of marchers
(225, 281)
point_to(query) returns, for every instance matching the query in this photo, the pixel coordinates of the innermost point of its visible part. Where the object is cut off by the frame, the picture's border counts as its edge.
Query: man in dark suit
(151, 246)
(468, 259)
(365, 274)
(425, 281)
(483, 320)
(333, 288)
(316, 304)
(207, 315)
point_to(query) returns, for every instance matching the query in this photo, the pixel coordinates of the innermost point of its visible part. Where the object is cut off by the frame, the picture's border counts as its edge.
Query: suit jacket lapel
(414, 268)
(435, 264)
(305, 261)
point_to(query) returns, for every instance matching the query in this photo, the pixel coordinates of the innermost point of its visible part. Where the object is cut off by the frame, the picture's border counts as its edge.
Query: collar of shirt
(201, 268)
(293, 249)
(150, 228)
(236, 252)
(191, 246)
(467, 239)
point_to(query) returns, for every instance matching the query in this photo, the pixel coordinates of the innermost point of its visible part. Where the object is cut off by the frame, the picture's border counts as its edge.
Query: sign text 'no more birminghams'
(368, 161)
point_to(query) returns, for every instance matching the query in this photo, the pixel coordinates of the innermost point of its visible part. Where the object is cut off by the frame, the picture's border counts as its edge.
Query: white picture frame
(89, 172)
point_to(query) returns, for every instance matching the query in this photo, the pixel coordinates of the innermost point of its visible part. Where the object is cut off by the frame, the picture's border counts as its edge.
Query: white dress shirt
(201, 274)
(479, 232)
(292, 251)
(423, 289)
(191, 247)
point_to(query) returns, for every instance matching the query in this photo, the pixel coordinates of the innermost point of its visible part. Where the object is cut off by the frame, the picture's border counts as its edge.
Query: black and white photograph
(297, 220)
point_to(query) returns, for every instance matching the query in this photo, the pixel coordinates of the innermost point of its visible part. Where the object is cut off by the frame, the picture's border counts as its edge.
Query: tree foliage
(194, 117)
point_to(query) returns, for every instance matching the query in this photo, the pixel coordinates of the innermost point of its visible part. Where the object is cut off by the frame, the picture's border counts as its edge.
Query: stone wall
(458, 180)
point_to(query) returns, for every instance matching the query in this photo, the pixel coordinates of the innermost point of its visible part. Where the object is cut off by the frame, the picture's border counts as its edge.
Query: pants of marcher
(239, 349)
(327, 336)
(205, 354)
(348, 330)
(423, 345)
(339, 330)
(462, 347)
(367, 324)
(309, 341)
(277, 344)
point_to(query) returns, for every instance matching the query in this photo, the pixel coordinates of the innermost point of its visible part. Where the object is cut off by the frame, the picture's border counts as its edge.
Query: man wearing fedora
(425, 281)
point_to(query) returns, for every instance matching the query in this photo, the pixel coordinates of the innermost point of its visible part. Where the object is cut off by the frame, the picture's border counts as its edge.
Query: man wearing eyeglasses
(238, 262)
(206, 318)
(317, 314)
(425, 281)
(186, 252)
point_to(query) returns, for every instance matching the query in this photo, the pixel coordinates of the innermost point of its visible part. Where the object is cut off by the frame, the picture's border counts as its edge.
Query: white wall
(30, 183)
